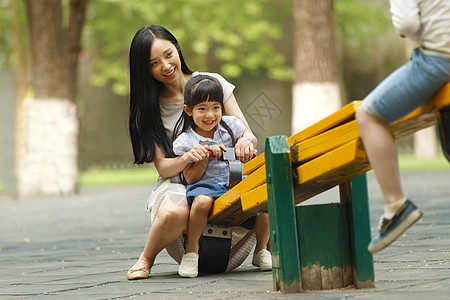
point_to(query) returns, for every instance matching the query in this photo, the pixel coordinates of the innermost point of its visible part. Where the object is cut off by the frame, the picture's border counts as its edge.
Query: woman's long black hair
(199, 89)
(145, 123)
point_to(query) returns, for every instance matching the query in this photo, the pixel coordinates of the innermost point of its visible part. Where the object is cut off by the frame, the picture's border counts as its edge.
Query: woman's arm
(245, 145)
(169, 167)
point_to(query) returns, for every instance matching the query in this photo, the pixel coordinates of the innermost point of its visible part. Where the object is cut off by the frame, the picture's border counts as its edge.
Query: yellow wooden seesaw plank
(317, 175)
(344, 114)
(229, 203)
(324, 142)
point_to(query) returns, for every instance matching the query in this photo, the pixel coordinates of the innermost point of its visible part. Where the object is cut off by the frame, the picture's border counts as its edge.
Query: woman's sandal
(141, 273)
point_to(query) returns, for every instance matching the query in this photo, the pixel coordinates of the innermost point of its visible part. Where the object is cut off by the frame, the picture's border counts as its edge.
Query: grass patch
(149, 175)
(407, 162)
(110, 177)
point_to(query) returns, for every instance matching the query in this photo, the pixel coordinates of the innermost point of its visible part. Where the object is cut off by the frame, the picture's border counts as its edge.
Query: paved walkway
(80, 247)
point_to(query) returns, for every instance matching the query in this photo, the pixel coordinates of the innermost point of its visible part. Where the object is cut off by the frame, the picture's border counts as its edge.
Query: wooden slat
(331, 163)
(324, 227)
(228, 205)
(344, 114)
(331, 169)
(324, 142)
(255, 201)
(254, 164)
(318, 175)
(284, 244)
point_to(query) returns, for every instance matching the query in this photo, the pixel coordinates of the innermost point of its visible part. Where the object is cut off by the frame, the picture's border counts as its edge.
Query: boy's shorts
(408, 87)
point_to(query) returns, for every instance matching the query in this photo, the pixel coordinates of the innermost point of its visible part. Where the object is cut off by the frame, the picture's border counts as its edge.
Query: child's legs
(408, 87)
(169, 224)
(262, 232)
(198, 218)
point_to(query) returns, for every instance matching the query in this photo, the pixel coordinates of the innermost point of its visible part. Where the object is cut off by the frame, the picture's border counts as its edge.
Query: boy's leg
(262, 232)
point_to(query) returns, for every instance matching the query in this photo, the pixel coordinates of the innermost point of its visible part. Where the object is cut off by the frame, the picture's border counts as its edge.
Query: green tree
(230, 37)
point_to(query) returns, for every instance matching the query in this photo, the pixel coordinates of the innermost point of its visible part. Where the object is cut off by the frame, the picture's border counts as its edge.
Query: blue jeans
(408, 87)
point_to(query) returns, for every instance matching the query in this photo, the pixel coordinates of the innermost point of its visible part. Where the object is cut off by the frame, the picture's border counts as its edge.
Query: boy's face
(206, 116)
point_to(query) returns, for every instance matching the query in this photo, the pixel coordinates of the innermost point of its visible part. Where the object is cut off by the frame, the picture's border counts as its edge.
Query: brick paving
(80, 247)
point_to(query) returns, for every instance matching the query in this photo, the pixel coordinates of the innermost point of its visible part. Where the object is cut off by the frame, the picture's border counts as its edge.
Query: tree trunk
(425, 143)
(21, 83)
(49, 130)
(315, 90)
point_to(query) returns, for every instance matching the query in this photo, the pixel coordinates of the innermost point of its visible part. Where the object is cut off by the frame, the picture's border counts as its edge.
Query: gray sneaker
(391, 229)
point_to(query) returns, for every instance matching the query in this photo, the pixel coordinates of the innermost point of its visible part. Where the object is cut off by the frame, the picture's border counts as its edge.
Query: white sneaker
(263, 260)
(189, 265)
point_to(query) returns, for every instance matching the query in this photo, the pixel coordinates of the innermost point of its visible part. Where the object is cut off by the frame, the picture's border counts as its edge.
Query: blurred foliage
(360, 24)
(12, 20)
(361, 21)
(240, 35)
(230, 37)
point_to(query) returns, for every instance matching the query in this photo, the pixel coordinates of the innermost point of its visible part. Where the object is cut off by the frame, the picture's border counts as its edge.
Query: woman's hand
(245, 146)
(196, 154)
(244, 149)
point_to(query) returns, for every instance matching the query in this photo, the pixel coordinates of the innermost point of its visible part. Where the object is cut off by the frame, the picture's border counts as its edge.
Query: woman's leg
(262, 232)
(382, 153)
(262, 257)
(198, 218)
(169, 224)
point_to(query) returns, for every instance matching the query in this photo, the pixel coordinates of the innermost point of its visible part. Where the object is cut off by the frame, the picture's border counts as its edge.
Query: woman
(158, 75)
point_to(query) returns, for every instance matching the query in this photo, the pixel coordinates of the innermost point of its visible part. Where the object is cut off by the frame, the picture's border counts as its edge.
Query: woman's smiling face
(165, 65)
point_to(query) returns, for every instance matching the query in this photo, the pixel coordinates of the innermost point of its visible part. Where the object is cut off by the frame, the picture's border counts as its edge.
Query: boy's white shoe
(263, 260)
(189, 265)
